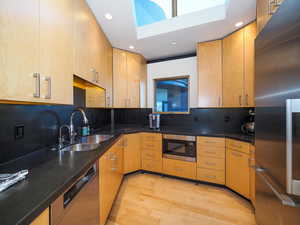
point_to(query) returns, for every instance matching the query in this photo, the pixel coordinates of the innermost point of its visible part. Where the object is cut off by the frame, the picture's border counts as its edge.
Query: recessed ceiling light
(173, 43)
(108, 16)
(238, 24)
(131, 47)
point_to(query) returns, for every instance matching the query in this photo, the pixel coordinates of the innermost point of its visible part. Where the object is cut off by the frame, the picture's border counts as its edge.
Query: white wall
(173, 68)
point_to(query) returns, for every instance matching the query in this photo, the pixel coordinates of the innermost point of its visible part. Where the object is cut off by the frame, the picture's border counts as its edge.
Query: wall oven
(179, 147)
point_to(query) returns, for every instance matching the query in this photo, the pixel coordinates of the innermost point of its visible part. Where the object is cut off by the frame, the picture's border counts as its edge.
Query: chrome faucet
(61, 138)
(72, 129)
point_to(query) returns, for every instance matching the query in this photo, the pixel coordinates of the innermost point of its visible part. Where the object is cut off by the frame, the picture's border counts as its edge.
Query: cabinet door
(42, 219)
(250, 35)
(238, 172)
(132, 153)
(56, 50)
(233, 69)
(106, 186)
(252, 174)
(209, 56)
(120, 78)
(108, 74)
(134, 69)
(19, 49)
(84, 41)
(263, 14)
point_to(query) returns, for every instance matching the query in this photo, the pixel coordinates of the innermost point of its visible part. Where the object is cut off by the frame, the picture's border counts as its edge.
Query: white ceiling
(121, 30)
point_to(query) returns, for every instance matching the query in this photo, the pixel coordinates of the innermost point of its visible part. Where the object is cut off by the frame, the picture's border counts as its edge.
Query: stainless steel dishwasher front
(79, 205)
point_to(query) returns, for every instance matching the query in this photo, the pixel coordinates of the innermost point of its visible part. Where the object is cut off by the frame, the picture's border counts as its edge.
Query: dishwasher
(79, 205)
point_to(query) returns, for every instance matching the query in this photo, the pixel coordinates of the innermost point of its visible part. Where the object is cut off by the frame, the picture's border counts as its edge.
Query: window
(171, 95)
(152, 11)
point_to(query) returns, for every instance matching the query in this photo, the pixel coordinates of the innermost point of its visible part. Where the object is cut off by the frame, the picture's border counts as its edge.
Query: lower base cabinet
(238, 167)
(180, 168)
(42, 219)
(110, 178)
(211, 175)
(132, 153)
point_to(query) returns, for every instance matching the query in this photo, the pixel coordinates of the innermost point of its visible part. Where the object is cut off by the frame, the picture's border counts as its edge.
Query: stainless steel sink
(95, 139)
(82, 147)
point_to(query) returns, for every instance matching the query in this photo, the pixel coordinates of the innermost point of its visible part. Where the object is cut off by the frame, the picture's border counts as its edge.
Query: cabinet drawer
(211, 151)
(211, 141)
(152, 146)
(211, 163)
(150, 137)
(151, 165)
(212, 176)
(152, 155)
(179, 168)
(238, 145)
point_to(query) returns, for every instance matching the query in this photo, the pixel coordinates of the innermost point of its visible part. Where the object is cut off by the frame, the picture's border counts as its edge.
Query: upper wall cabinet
(35, 47)
(128, 71)
(238, 68)
(209, 56)
(265, 10)
(19, 50)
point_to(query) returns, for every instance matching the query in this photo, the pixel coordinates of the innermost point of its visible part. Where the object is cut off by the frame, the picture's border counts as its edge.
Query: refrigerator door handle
(293, 186)
(279, 193)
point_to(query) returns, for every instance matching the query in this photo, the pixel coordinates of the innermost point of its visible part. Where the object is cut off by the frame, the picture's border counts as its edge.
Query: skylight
(190, 6)
(153, 11)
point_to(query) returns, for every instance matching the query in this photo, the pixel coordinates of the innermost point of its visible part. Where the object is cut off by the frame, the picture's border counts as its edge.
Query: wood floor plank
(146, 199)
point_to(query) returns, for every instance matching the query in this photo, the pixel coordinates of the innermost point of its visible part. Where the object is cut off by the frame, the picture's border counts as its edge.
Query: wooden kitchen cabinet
(108, 74)
(209, 55)
(179, 168)
(238, 167)
(250, 32)
(238, 68)
(19, 49)
(252, 174)
(233, 69)
(151, 148)
(132, 153)
(264, 11)
(128, 70)
(111, 174)
(211, 159)
(56, 50)
(42, 219)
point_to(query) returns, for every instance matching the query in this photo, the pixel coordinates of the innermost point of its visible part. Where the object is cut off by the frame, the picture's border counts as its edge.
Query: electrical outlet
(19, 131)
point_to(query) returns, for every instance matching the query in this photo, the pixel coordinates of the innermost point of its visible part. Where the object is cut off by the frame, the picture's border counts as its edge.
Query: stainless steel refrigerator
(277, 136)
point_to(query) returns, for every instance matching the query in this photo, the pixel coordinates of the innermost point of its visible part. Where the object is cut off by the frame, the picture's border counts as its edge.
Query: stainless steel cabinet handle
(247, 99)
(277, 190)
(48, 95)
(219, 101)
(37, 93)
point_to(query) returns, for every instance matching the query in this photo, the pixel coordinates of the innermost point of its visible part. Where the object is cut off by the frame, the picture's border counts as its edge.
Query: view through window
(172, 95)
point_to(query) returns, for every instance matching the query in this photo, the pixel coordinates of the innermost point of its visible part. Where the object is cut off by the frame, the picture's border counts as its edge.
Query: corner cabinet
(132, 153)
(209, 55)
(111, 175)
(238, 68)
(128, 72)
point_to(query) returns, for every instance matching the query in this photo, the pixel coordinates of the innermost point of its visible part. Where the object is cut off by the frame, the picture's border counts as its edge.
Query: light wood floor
(146, 199)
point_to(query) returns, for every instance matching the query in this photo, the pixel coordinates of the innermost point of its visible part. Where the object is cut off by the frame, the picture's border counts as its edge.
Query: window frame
(171, 78)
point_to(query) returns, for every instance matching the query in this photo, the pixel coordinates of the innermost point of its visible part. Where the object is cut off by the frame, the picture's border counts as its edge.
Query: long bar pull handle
(37, 93)
(49, 93)
(240, 100)
(278, 192)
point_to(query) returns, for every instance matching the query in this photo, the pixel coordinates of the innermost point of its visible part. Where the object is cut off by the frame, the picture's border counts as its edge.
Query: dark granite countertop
(52, 172)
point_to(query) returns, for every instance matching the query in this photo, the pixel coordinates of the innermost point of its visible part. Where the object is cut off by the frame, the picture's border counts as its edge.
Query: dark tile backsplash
(207, 120)
(41, 123)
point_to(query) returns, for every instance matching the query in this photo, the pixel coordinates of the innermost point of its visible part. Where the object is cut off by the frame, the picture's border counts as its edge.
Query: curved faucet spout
(72, 130)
